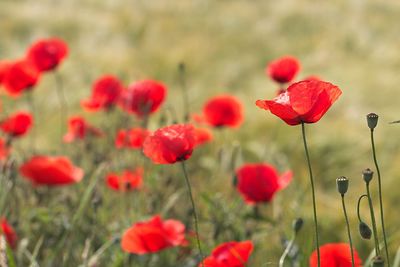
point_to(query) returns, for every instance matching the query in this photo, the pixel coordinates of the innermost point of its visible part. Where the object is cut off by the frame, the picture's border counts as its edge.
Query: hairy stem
(375, 232)
(196, 226)
(348, 231)
(312, 191)
(380, 196)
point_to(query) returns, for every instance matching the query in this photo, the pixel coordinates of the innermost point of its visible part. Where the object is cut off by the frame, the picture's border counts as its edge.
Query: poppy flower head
(153, 235)
(131, 138)
(303, 102)
(143, 97)
(223, 111)
(9, 233)
(105, 93)
(229, 254)
(259, 182)
(47, 54)
(79, 129)
(283, 70)
(18, 124)
(19, 76)
(51, 171)
(202, 136)
(335, 255)
(170, 144)
(127, 181)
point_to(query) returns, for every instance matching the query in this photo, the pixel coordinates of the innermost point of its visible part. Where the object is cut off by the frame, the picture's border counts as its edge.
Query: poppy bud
(378, 261)
(372, 120)
(235, 181)
(342, 184)
(365, 231)
(367, 175)
(297, 224)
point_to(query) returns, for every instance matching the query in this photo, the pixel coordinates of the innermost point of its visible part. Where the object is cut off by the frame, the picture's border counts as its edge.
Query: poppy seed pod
(342, 185)
(367, 175)
(297, 224)
(365, 231)
(372, 120)
(378, 261)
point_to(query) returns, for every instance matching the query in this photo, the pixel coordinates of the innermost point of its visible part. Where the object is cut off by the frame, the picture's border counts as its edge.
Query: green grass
(225, 45)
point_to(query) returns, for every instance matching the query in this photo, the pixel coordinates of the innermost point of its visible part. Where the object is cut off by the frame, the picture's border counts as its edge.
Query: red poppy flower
(4, 149)
(202, 136)
(335, 255)
(9, 233)
(305, 101)
(19, 76)
(4, 66)
(283, 70)
(153, 235)
(131, 138)
(78, 128)
(170, 144)
(127, 181)
(18, 124)
(223, 111)
(259, 182)
(51, 171)
(229, 254)
(47, 54)
(143, 97)
(105, 93)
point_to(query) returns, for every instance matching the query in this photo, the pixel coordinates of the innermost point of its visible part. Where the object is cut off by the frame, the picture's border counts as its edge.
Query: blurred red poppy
(223, 111)
(335, 255)
(284, 69)
(18, 124)
(170, 144)
(51, 171)
(153, 235)
(305, 101)
(229, 254)
(47, 54)
(79, 129)
(127, 181)
(259, 182)
(131, 138)
(9, 233)
(105, 93)
(4, 149)
(143, 97)
(19, 76)
(202, 136)
(4, 66)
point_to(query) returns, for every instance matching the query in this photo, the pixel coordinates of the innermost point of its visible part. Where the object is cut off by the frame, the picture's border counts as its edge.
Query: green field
(225, 46)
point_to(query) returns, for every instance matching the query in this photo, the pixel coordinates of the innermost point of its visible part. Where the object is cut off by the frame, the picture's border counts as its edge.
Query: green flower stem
(196, 226)
(358, 206)
(348, 230)
(312, 191)
(380, 196)
(371, 208)
(62, 100)
(182, 81)
(32, 107)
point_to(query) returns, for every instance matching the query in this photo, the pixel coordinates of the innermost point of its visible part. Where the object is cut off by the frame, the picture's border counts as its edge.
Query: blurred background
(225, 46)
